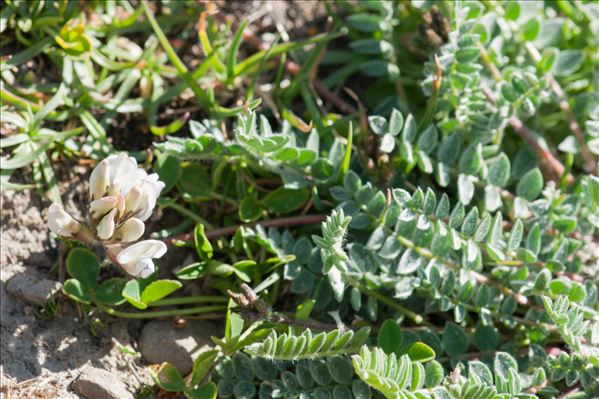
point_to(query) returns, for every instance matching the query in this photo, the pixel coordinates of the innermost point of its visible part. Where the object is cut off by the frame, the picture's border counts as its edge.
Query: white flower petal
(130, 231)
(103, 205)
(99, 180)
(142, 250)
(120, 165)
(133, 199)
(61, 223)
(141, 268)
(151, 188)
(145, 268)
(105, 228)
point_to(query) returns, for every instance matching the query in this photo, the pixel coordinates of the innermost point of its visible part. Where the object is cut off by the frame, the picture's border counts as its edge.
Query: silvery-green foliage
(309, 345)
(242, 377)
(399, 377)
(293, 157)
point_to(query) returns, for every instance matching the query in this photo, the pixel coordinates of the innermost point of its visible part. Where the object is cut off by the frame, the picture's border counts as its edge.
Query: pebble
(161, 341)
(32, 289)
(95, 383)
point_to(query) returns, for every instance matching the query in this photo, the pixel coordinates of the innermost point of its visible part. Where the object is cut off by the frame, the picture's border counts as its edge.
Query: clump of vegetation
(431, 232)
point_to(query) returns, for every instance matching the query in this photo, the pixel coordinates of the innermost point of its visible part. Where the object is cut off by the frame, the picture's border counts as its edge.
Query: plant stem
(555, 169)
(189, 299)
(160, 313)
(431, 107)
(416, 318)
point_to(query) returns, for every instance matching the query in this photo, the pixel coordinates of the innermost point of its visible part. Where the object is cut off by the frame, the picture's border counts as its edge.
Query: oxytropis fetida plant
(122, 196)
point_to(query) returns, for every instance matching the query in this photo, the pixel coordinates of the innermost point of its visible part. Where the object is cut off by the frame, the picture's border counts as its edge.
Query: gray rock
(95, 383)
(162, 342)
(32, 289)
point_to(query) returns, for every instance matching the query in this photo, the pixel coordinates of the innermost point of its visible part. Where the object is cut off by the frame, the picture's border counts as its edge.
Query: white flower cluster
(122, 198)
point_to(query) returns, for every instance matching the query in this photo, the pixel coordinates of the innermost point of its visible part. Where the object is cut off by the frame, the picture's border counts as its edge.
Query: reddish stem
(552, 167)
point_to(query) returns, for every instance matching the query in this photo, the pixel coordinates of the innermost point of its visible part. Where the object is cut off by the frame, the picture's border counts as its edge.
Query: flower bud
(133, 199)
(99, 180)
(61, 223)
(130, 231)
(102, 206)
(105, 228)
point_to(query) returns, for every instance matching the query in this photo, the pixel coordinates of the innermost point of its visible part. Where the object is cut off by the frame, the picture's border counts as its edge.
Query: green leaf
(158, 290)
(499, 171)
(84, 266)
(132, 293)
(387, 143)
(467, 54)
(409, 130)
(193, 271)
(206, 391)
(285, 200)
(470, 221)
(428, 139)
(76, 291)
(194, 180)
(434, 374)
(449, 150)
(234, 49)
(530, 185)
(531, 28)
(508, 92)
(364, 22)
(390, 337)
(250, 209)
(169, 170)
(347, 153)
(515, 236)
(548, 58)
(486, 338)
(167, 377)
(455, 340)
(568, 62)
(420, 352)
(503, 363)
(202, 365)
(304, 309)
(471, 159)
(110, 291)
(512, 10)
(396, 122)
(352, 182)
(465, 189)
(202, 244)
(379, 68)
(378, 124)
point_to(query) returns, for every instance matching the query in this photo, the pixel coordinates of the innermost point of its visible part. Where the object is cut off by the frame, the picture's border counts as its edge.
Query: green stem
(416, 318)
(161, 313)
(189, 299)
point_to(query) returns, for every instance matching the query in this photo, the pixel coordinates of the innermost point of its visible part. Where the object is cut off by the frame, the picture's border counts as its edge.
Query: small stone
(95, 383)
(32, 289)
(162, 342)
